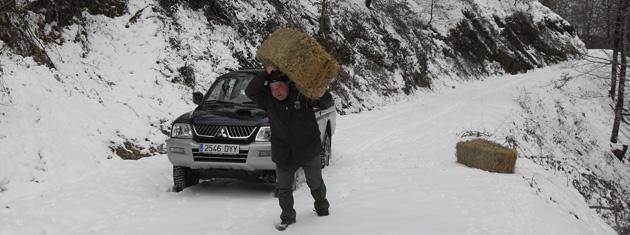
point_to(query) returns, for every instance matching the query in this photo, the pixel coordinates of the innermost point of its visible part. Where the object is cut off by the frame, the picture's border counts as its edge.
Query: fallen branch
(135, 16)
(602, 207)
(614, 209)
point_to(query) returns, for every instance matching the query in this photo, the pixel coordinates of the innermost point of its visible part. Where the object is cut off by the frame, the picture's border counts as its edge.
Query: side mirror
(197, 97)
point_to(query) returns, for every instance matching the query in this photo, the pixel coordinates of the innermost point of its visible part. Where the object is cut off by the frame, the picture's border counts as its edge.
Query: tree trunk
(622, 77)
(588, 18)
(324, 20)
(609, 22)
(613, 73)
(432, 6)
(616, 46)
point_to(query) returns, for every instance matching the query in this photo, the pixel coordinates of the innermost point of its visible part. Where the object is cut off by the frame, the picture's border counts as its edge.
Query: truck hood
(227, 114)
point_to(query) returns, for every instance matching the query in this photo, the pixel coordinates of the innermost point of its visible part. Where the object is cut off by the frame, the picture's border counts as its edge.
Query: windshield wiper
(219, 101)
(229, 102)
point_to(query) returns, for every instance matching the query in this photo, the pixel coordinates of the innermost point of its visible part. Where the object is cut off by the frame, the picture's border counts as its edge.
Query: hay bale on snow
(486, 155)
(301, 58)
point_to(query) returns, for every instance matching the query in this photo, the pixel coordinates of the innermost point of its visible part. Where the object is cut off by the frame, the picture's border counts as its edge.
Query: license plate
(229, 149)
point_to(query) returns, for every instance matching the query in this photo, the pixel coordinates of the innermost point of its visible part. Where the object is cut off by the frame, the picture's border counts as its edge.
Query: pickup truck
(227, 135)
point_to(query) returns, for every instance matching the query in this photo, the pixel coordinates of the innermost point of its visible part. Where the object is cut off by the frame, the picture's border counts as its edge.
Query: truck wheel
(326, 150)
(192, 178)
(181, 177)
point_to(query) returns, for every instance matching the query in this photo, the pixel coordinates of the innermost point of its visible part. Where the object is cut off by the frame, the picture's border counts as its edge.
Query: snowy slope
(565, 126)
(59, 124)
(393, 172)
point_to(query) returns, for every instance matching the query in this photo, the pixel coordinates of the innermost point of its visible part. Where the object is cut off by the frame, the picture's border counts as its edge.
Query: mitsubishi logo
(223, 132)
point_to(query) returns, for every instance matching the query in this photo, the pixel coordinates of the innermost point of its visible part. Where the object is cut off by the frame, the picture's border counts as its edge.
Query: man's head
(279, 84)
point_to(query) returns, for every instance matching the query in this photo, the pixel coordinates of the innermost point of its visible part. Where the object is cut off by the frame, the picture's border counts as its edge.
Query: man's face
(279, 90)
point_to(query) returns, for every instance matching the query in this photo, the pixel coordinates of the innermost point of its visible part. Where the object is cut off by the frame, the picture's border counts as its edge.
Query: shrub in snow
(131, 151)
(486, 155)
(301, 58)
(186, 76)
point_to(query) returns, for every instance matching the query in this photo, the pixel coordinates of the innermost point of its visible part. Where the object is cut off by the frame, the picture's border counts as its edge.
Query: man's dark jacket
(295, 136)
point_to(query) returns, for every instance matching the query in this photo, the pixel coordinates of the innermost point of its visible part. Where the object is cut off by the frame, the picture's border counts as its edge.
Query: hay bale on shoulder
(486, 155)
(301, 58)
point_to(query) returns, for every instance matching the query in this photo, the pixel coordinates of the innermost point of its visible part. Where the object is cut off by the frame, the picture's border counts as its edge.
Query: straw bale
(486, 155)
(301, 58)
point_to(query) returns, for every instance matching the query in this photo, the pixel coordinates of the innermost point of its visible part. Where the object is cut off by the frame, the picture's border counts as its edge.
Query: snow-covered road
(393, 172)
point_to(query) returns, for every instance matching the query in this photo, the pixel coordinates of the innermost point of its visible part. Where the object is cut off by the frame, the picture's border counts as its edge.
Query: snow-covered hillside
(391, 50)
(393, 172)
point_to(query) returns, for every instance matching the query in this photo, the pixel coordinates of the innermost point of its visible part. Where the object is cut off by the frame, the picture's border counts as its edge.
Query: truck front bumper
(255, 156)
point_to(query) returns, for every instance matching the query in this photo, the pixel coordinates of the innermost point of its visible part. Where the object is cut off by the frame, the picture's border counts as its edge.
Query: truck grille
(232, 132)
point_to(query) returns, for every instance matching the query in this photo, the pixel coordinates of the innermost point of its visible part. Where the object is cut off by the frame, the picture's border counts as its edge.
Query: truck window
(230, 89)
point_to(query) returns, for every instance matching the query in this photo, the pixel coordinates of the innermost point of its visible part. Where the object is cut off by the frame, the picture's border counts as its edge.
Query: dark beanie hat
(277, 76)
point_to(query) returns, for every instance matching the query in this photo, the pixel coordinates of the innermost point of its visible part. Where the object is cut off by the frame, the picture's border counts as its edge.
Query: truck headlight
(264, 134)
(181, 130)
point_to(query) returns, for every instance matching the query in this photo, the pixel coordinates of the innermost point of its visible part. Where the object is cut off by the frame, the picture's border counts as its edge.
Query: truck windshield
(229, 90)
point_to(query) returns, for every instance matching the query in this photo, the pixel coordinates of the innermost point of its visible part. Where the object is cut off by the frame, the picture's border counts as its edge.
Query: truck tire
(183, 177)
(326, 150)
(192, 178)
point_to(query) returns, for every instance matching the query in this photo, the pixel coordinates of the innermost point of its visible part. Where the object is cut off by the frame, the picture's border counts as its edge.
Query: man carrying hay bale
(295, 138)
(301, 58)
(298, 74)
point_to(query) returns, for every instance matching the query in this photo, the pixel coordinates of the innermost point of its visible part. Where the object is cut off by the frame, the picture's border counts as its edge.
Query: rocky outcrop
(28, 26)
(515, 42)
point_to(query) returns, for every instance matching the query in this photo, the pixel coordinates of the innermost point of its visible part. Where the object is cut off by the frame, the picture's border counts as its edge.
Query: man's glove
(323, 102)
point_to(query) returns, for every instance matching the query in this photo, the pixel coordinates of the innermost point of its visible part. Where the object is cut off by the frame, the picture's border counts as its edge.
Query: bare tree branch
(590, 72)
(6, 7)
(600, 60)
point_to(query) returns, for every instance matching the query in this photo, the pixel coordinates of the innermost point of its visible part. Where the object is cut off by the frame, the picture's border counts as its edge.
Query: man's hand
(257, 91)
